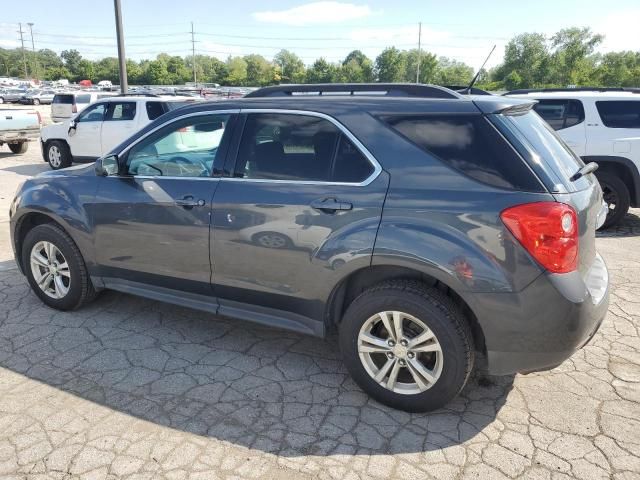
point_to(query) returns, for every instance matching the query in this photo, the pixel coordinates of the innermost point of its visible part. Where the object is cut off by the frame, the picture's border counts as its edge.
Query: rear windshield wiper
(588, 168)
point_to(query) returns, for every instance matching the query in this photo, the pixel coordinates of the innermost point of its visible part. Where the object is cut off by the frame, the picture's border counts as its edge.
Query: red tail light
(548, 231)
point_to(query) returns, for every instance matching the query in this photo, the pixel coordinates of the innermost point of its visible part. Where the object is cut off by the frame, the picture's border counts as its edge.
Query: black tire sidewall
(18, 148)
(65, 160)
(76, 264)
(624, 198)
(455, 353)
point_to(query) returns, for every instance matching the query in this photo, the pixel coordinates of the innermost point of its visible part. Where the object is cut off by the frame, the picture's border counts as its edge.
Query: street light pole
(33, 48)
(121, 55)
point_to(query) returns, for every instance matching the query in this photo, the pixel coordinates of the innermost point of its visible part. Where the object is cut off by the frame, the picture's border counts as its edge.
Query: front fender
(55, 131)
(64, 201)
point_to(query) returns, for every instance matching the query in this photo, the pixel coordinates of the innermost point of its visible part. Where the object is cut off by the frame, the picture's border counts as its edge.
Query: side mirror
(72, 128)
(107, 166)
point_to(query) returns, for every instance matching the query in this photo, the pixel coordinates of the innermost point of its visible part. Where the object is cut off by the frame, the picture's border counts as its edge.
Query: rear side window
(468, 144)
(63, 99)
(619, 114)
(121, 111)
(560, 114)
(155, 109)
(299, 148)
(83, 99)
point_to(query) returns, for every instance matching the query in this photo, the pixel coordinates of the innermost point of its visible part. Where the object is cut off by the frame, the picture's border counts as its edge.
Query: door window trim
(126, 149)
(377, 169)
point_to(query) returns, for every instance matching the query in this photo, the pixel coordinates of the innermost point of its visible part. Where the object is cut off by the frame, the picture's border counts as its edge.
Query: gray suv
(423, 225)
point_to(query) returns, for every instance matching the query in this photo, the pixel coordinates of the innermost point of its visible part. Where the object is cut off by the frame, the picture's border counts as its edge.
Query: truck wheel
(616, 196)
(55, 268)
(18, 148)
(407, 345)
(58, 155)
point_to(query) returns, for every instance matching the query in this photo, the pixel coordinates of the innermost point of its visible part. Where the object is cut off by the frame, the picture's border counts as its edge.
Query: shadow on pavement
(27, 170)
(265, 389)
(629, 227)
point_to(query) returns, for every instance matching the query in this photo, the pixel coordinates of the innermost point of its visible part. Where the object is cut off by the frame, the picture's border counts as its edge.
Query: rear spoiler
(519, 109)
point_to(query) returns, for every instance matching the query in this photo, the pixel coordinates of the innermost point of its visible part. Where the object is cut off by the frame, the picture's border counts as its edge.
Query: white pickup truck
(102, 126)
(17, 127)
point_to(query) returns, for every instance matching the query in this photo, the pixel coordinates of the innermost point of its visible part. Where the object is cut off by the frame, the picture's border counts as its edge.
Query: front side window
(469, 144)
(185, 148)
(560, 114)
(619, 113)
(298, 148)
(94, 113)
(121, 111)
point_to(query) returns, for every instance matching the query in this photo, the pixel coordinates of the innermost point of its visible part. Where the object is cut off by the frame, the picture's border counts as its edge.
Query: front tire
(55, 268)
(19, 148)
(36, 101)
(407, 345)
(616, 196)
(58, 154)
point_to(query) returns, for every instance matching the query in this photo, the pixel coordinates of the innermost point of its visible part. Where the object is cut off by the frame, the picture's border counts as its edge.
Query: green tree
(452, 72)
(391, 65)
(259, 70)
(321, 72)
(108, 68)
(618, 69)
(291, 67)
(72, 59)
(237, 68)
(428, 66)
(357, 67)
(572, 48)
(528, 56)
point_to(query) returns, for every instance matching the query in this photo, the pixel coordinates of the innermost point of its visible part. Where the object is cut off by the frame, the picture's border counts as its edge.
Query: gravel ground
(130, 388)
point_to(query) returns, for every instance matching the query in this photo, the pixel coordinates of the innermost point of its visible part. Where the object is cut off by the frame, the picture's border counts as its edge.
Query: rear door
(119, 124)
(300, 209)
(567, 117)
(618, 129)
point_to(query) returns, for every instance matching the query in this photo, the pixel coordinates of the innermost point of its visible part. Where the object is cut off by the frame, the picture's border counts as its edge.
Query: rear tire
(616, 196)
(19, 148)
(36, 101)
(431, 372)
(58, 154)
(75, 285)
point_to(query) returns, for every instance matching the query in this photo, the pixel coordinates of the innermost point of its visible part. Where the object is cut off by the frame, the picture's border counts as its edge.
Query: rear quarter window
(469, 144)
(63, 99)
(83, 99)
(619, 113)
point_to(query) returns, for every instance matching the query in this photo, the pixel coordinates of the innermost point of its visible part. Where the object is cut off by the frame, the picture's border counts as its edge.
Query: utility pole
(121, 55)
(33, 48)
(193, 55)
(24, 55)
(419, 51)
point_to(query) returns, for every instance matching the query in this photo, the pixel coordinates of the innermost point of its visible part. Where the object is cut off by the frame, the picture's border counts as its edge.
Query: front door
(84, 139)
(152, 221)
(302, 208)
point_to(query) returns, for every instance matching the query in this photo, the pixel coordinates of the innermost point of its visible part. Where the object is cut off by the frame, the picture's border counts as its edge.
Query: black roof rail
(464, 90)
(577, 89)
(388, 89)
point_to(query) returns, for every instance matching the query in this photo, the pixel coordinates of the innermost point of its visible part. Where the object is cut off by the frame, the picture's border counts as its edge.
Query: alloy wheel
(50, 269)
(55, 156)
(400, 352)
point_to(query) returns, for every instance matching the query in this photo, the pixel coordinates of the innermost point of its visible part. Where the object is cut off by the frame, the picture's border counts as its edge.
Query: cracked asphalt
(131, 388)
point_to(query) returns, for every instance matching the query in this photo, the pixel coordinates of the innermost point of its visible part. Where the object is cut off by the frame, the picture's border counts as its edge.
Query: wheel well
(25, 224)
(623, 173)
(362, 279)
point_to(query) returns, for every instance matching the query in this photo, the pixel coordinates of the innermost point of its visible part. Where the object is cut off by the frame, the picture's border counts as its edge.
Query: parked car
(100, 127)
(441, 225)
(66, 105)
(38, 97)
(600, 125)
(11, 95)
(17, 127)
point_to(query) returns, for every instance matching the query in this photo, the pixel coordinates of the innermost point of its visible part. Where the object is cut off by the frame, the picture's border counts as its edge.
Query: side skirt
(237, 310)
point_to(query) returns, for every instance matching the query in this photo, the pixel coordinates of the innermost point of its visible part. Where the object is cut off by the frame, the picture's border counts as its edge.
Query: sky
(331, 29)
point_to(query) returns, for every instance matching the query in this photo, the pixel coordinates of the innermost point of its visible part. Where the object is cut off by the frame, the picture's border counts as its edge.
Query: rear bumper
(547, 322)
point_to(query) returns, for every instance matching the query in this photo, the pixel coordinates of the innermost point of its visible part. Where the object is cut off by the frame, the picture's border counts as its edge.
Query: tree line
(531, 60)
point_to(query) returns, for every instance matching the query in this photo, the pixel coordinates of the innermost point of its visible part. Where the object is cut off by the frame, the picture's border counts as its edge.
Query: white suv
(600, 125)
(102, 126)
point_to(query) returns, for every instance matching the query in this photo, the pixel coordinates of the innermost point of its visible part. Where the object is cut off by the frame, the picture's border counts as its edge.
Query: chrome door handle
(330, 205)
(189, 202)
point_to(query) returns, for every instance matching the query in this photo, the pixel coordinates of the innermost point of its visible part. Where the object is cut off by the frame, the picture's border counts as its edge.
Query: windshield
(547, 147)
